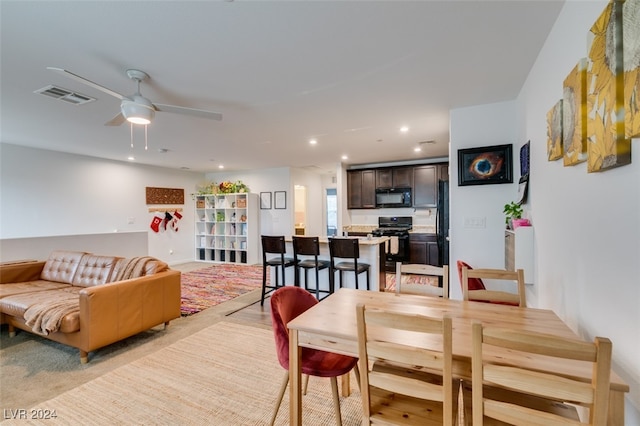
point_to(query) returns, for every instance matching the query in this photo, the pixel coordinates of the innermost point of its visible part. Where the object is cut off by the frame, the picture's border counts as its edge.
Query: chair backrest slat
(376, 329)
(486, 370)
(518, 298)
(440, 272)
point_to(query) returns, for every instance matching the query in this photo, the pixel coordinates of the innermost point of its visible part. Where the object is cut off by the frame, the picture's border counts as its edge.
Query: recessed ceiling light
(404, 129)
(417, 149)
(313, 141)
(131, 158)
(221, 166)
(344, 157)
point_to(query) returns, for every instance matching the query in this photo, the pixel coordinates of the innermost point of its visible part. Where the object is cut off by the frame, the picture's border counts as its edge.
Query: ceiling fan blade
(188, 111)
(116, 121)
(87, 82)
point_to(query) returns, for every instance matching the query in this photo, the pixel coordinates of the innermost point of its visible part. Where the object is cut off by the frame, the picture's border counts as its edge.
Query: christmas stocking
(174, 223)
(155, 223)
(167, 219)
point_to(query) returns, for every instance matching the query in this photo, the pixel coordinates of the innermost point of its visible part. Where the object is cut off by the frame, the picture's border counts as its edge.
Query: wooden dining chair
(403, 396)
(408, 269)
(473, 287)
(507, 392)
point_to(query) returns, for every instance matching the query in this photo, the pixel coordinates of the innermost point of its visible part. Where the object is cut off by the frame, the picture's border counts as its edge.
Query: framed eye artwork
(485, 165)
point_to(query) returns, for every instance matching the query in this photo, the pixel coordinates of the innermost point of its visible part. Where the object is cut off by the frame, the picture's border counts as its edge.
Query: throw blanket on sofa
(134, 268)
(45, 316)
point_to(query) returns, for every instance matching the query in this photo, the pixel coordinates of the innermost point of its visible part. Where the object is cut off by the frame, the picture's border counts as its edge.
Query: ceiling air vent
(65, 95)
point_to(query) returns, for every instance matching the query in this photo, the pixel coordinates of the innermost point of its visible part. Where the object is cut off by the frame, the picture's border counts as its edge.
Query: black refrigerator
(442, 222)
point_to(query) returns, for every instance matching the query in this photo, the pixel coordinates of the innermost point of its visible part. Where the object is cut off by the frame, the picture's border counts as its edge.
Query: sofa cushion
(61, 266)
(29, 287)
(17, 305)
(94, 270)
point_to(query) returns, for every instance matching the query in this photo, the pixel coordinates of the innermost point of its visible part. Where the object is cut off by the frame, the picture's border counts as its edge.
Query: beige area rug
(225, 374)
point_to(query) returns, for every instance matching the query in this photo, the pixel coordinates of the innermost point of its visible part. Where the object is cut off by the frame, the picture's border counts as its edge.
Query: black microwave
(393, 197)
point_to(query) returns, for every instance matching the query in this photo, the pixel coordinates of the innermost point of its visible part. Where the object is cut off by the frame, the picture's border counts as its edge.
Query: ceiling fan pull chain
(131, 127)
(145, 137)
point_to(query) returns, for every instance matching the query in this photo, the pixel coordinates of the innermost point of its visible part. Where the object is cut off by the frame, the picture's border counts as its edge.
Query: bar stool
(273, 245)
(346, 248)
(309, 246)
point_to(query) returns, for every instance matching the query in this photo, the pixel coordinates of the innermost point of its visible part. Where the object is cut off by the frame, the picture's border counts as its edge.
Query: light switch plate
(475, 222)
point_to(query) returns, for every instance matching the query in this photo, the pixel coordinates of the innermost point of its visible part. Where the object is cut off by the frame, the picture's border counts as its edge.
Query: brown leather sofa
(88, 301)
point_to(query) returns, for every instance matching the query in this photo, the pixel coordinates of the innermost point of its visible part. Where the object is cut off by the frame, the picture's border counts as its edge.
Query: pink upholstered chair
(286, 304)
(473, 287)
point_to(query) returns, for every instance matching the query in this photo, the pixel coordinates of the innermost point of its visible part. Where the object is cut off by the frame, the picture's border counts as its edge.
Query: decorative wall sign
(554, 132)
(524, 158)
(265, 200)
(574, 115)
(607, 146)
(165, 195)
(485, 165)
(280, 199)
(631, 58)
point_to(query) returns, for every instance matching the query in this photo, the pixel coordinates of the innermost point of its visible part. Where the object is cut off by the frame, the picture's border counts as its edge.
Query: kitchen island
(372, 252)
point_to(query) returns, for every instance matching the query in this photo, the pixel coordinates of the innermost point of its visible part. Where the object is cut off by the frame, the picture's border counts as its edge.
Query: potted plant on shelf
(512, 211)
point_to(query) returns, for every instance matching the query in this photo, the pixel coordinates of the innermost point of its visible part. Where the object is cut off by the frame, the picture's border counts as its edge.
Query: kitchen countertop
(367, 229)
(362, 240)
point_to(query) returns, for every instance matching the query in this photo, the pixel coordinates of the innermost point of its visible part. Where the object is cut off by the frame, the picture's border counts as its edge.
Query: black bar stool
(309, 246)
(346, 248)
(273, 245)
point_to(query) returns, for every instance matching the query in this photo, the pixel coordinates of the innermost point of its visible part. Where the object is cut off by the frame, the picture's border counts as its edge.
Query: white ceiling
(346, 73)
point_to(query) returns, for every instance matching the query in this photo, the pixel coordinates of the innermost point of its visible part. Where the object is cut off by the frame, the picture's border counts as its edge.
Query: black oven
(397, 229)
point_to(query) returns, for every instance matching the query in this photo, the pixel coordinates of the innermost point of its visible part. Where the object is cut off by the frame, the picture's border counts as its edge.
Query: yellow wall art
(607, 146)
(574, 115)
(631, 58)
(554, 132)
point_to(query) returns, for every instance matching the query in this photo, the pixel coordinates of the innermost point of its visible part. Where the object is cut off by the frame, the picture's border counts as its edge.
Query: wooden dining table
(331, 326)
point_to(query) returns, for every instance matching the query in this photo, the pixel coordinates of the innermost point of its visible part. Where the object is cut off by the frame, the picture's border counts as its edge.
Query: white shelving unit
(518, 250)
(227, 228)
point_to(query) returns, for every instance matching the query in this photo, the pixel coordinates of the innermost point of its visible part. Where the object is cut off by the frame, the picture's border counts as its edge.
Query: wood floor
(255, 314)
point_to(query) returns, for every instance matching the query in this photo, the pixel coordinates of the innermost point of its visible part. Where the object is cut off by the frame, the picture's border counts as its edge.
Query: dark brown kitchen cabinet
(396, 177)
(361, 189)
(423, 249)
(425, 186)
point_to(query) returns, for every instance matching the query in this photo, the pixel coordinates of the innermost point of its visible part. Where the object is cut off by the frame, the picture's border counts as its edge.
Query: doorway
(300, 209)
(332, 212)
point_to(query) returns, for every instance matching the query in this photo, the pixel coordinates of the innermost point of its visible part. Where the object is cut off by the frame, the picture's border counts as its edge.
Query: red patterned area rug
(410, 279)
(207, 287)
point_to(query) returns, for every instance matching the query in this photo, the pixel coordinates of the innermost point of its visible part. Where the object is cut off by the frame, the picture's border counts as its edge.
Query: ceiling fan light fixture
(138, 111)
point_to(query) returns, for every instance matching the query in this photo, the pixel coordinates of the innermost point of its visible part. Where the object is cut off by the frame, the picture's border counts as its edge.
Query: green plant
(512, 210)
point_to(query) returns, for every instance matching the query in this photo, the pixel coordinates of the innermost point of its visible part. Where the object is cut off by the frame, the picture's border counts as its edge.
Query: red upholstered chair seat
(286, 304)
(474, 283)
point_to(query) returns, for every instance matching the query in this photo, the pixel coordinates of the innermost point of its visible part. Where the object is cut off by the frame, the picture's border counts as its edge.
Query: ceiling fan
(136, 108)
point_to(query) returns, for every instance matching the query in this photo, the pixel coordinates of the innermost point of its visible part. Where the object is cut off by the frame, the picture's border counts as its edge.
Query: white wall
(587, 227)
(473, 127)
(272, 221)
(46, 193)
(587, 230)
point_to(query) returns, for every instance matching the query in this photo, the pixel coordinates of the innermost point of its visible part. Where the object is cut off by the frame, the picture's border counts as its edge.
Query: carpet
(225, 374)
(410, 279)
(207, 287)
